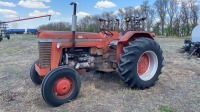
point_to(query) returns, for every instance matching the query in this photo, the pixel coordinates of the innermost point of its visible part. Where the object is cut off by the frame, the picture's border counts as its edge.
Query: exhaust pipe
(74, 21)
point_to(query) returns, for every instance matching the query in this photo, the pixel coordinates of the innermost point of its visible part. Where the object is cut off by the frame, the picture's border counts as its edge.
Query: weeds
(165, 108)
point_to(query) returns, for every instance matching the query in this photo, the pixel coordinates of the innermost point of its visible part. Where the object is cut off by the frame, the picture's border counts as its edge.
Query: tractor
(3, 33)
(64, 55)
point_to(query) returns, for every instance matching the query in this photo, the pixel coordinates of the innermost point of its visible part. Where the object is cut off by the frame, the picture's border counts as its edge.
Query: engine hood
(67, 35)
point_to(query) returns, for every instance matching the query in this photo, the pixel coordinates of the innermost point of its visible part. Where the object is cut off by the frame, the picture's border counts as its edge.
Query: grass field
(178, 88)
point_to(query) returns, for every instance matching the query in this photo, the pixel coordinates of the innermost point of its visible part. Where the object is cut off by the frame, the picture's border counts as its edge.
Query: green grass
(165, 108)
(22, 37)
(11, 50)
(198, 100)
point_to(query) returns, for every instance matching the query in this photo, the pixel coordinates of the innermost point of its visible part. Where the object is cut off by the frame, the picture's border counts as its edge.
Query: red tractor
(64, 55)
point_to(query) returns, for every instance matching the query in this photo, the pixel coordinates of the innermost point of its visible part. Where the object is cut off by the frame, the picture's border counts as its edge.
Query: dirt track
(177, 90)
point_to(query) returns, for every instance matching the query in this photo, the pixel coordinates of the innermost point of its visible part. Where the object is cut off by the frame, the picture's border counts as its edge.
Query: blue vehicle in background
(21, 31)
(32, 31)
(15, 31)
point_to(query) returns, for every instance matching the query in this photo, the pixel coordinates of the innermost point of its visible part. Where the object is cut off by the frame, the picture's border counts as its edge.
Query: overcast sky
(59, 9)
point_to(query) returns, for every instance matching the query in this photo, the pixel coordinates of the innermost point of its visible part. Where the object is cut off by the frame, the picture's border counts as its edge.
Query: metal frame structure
(193, 45)
(3, 25)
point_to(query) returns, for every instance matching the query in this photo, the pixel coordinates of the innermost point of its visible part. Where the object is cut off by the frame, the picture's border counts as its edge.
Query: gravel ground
(178, 88)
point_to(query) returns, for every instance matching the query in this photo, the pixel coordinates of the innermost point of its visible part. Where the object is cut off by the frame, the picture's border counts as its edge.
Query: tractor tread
(129, 58)
(124, 72)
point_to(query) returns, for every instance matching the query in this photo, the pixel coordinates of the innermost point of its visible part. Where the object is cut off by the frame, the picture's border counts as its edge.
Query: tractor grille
(45, 54)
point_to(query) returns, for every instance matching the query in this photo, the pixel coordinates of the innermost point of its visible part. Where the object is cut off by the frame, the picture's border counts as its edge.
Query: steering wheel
(108, 33)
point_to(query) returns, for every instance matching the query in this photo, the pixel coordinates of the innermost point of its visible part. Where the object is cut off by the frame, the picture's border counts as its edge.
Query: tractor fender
(130, 36)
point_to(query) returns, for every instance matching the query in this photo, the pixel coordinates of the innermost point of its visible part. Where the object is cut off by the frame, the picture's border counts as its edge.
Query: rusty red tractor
(64, 55)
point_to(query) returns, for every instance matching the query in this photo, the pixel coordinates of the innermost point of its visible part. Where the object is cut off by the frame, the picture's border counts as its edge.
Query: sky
(59, 9)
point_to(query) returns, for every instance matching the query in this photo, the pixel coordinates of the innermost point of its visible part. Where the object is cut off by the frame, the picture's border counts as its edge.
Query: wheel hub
(63, 86)
(143, 64)
(147, 65)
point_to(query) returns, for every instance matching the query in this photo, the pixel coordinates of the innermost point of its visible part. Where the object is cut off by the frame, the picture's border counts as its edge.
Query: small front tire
(1, 38)
(8, 37)
(60, 86)
(36, 79)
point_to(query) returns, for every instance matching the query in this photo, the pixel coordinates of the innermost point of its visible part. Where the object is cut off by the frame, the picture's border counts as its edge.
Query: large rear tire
(141, 63)
(60, 86)
(36, 79)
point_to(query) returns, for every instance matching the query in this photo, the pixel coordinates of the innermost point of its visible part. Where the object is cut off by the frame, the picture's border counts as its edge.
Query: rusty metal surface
(96, 51)
(93, 51)
(45, 55)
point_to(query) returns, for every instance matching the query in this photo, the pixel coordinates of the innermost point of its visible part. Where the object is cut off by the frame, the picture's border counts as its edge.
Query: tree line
(163, 17)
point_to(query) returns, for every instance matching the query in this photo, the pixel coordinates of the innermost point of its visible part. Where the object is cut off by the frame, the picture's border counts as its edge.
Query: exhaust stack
(74, 21)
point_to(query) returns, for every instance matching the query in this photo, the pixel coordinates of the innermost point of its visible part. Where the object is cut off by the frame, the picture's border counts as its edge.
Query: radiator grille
(45, 54)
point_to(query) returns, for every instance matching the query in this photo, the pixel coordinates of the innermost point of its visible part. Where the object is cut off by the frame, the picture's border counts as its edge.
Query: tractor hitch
(195, 49)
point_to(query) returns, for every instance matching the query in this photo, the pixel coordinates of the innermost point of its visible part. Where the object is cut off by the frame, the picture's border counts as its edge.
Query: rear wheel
(36, 79)
(1, 38)
(60, 86)
(8, 37)
(140, 63)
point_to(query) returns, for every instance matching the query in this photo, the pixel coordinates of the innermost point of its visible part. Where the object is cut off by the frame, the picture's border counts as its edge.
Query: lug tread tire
(127, 66)
(49, 80)
(36, 79)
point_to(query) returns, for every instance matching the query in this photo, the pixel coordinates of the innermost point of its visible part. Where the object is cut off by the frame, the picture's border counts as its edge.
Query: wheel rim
(147, 65)
(63, 88)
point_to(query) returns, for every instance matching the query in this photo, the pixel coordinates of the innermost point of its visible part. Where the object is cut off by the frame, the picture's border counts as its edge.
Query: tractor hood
(67, 35)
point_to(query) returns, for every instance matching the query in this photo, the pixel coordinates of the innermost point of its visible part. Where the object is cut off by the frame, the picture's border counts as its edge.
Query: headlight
(58, 45)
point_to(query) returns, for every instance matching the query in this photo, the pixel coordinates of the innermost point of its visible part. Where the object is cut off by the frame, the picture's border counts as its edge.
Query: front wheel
(60, 86)
(8, 37)
(1, 38)
(141, 63)
(36, 79)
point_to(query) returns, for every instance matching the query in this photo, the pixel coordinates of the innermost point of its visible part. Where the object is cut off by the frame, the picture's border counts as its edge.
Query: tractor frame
(64, 55)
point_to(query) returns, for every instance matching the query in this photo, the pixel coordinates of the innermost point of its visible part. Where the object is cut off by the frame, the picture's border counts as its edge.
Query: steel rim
(63, 88)
(147, 65)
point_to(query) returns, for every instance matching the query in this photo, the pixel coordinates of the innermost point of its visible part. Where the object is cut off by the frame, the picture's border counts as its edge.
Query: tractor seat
(113, 44)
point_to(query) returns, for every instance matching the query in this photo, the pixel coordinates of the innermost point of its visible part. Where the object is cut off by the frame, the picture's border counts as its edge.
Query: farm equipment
(193, 45)
(3, 33)
(16, 31)
(64, 55)
(134, 23)
(6, 33)
(32, 31)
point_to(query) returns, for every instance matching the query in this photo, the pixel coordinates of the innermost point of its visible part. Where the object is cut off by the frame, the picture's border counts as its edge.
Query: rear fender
(131, 36)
